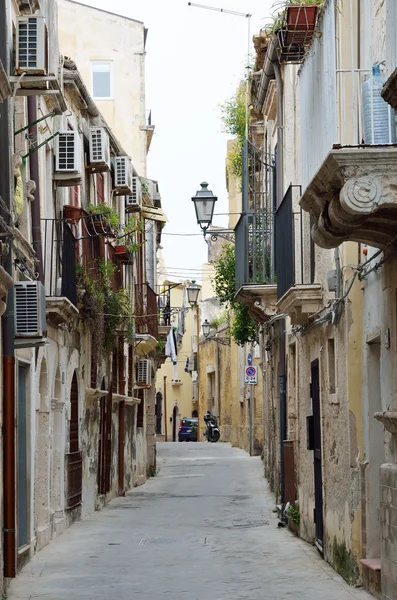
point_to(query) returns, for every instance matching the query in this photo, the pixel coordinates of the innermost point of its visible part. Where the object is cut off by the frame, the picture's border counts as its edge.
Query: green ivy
(243, 328)
(233, 121)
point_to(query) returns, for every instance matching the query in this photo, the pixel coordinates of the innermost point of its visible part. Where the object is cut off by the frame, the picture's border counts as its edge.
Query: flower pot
(301, 17)
(73, 213)
(301, 21)
(99, 226)
(121, 249)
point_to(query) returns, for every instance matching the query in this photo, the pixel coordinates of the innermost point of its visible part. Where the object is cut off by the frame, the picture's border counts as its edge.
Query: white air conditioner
(122, 175)
(29, 307)
(144, 375)
(32, 45)
(68, 152)
(134, 201)
(99, 148)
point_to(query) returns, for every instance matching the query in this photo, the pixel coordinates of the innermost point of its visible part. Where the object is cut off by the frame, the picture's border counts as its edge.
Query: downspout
(6, 187)
(34, 174)
(280, 132)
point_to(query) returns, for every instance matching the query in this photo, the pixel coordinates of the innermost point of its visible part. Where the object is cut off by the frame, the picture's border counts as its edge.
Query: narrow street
(202, 528)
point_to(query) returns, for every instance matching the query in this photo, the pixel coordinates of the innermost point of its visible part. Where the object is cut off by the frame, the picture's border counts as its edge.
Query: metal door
(318, 478)
(105, 444)
(22, 461)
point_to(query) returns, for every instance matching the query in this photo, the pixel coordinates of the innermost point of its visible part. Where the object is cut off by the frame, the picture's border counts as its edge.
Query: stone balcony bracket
(132, 401)
(93, 394)
(388, 419)
(261, 300)
(353, 197)
(164, 331)
(61, 311)
(301, 301)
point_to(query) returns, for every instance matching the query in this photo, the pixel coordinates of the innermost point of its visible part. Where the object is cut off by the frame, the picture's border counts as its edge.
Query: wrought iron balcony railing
(59, 259)
(146, 315)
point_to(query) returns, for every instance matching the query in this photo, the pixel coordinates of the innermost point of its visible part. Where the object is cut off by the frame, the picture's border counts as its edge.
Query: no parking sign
(251, 375)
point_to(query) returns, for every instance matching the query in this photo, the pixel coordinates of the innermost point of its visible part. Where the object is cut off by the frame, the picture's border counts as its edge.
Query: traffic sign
(249, 359)
(251, 375)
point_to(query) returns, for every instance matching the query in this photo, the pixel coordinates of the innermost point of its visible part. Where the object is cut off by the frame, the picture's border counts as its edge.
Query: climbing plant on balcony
(243, 328)
(233, 122)
(108, 311)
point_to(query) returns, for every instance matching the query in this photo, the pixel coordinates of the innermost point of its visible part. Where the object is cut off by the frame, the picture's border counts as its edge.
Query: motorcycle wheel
(215, 436)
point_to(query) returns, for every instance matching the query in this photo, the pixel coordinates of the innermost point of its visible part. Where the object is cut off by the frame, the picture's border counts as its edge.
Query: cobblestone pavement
(203, 528)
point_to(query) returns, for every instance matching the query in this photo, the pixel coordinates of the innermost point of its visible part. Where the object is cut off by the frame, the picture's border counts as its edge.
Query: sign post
(251, 378)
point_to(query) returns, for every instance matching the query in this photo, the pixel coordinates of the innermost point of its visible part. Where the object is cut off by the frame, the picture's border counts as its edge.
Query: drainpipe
(338, 289)
(121, 443)
(280, 132)
(6, 190)
(34, 174)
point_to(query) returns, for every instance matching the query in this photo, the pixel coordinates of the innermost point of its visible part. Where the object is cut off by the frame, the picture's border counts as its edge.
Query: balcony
(352, 197)
(255, 277)
(59, 265)
(297, 294)
(146, 318)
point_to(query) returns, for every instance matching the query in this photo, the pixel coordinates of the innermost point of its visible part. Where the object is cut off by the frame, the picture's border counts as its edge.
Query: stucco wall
(110, 37)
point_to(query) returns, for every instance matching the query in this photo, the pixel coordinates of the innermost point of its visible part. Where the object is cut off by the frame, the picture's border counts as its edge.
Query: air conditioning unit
(29, 307)
(144, 374)
(134, 201)
(122, 175)
(32, 45)
(99, 148)
(68, 152)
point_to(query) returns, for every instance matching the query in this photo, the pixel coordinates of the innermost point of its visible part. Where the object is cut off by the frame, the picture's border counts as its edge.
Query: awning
(154, 214)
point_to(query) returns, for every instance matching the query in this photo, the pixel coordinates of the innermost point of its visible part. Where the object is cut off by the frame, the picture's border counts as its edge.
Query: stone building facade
(81, 246)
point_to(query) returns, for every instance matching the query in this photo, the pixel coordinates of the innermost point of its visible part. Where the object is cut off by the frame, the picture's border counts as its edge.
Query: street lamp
(193, 291)
(204, 203)
(206, 328)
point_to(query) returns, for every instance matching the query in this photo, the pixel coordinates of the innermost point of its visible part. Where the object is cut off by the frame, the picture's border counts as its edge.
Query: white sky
(195, 60)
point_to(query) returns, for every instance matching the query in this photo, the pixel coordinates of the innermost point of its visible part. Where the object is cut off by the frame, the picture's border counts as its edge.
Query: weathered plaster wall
(120, 40)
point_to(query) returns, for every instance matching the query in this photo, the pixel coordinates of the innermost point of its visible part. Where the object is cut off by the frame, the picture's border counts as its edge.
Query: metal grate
(27, 320)
(96, 145)
(66, 157)
(144, 372)
(120, 171)
(27, 43)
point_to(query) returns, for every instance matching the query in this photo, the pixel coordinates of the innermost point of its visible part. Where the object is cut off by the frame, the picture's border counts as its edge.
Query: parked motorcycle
(212, 432)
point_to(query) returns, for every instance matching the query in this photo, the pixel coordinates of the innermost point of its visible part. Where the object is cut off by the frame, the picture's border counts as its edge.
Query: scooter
(212, 432)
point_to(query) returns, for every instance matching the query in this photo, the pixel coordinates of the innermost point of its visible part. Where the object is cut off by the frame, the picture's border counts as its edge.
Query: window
(102, 80)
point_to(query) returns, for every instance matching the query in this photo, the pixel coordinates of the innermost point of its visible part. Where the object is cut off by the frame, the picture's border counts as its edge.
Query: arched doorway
(159, 412)
(194, 414)
(75, 463)
(42, 477)
(57, 450)
(174, 423)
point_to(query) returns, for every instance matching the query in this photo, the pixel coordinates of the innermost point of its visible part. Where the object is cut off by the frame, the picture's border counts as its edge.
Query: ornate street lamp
(206, 328)
(204, 203)
(193, 291)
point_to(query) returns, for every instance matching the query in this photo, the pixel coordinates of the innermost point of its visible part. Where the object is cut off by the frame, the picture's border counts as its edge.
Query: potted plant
(293, 515)
(104, 220)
